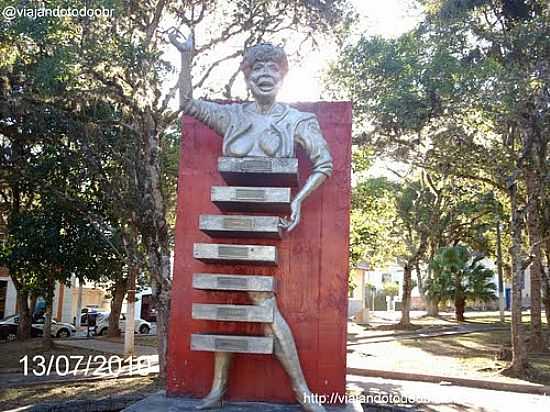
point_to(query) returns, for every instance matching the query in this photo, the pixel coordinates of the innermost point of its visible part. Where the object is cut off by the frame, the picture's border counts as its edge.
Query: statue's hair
(264, 52)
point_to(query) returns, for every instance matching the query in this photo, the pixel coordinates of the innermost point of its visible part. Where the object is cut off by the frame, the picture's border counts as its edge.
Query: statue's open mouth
(266, 85)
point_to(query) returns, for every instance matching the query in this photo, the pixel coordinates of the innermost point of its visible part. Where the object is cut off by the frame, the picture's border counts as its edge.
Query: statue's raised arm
(214, 115)
(185, 47)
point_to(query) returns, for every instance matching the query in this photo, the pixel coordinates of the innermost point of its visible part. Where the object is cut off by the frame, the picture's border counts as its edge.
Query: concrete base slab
(160, 403)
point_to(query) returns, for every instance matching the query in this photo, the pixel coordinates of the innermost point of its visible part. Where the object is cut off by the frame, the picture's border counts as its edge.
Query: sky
(386, 18)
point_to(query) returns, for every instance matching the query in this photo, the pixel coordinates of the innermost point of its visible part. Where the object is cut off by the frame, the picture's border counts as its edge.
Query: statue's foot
(212, 401)
(313, 407)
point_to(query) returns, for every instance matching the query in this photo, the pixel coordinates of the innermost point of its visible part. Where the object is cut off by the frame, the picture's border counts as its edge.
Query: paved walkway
(362, 336)
(442, 398)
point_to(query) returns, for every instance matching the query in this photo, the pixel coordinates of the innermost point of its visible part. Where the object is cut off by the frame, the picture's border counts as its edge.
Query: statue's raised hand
(182, 44)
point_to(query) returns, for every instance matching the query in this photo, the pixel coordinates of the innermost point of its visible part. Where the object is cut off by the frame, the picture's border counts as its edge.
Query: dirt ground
(12, 353)
(18, 397)
(471, 355)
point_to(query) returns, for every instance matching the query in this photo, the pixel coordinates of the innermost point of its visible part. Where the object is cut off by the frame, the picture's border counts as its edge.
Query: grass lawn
(18, 397)
(11, 353)
(464, 356)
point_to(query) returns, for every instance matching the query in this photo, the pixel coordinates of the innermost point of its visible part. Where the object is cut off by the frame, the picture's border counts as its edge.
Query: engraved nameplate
(257, 166)
(226, 253)
(240, 223)
(236, 313)
(261, 172)
(244, 283)
(250, 194)
(230, 345)
(232, 251)
(243, 226)
(227, 282)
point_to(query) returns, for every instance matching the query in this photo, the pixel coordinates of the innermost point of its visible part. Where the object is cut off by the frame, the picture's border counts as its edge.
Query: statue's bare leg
(222, 364)
(285, 350)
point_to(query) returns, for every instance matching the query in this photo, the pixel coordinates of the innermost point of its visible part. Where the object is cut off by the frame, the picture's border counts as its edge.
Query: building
(369, 282)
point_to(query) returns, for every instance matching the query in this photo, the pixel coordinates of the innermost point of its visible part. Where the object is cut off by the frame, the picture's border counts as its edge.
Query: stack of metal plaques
(261, 185)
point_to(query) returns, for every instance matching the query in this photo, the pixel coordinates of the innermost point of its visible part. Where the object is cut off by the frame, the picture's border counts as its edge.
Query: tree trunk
(47, 341)
(500, 273)
(118, 291)
(460, 305)
(536, 340)
(406, 301)
(25, 316)
(433, 307)
(546, 295)
(520, 362)
(155, 235)
(161, 301)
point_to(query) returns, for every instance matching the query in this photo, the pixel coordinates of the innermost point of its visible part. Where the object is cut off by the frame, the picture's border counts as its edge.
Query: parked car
(8, 329)
(140, 325)
(59, 329)
(91, 316)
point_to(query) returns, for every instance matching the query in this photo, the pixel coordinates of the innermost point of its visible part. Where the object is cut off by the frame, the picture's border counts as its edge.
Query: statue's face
(264, 80)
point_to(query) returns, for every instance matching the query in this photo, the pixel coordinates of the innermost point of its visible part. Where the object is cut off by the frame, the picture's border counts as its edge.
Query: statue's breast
(260, 136)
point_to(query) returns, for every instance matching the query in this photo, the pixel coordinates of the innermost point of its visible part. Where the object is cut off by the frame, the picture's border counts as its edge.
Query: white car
(140, 325)
(59, 329)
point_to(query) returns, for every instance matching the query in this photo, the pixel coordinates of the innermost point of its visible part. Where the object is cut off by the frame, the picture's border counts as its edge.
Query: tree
(466, 94)
(119, 64)
(460, 277)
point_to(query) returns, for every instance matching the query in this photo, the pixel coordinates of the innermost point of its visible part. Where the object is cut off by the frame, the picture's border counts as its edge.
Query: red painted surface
(311, 274)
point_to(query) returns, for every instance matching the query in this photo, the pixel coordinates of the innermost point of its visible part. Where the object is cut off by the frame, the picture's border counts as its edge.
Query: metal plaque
(233, 251)
(231, 282)
(243, 283)
(254, 199)
(238, 223)
(250, 194)
(230, 313)
(246, 254)
(253, 171)
(256, 165)
(230, 343)
(236, 313)
(260, 227)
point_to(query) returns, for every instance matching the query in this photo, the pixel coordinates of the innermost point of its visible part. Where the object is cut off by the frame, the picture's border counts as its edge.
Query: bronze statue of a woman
(263, 128)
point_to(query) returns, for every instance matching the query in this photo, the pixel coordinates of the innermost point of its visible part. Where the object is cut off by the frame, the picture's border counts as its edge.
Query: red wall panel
(311, 274)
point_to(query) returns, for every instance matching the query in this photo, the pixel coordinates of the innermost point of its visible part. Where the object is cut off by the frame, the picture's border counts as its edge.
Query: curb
(471, 383)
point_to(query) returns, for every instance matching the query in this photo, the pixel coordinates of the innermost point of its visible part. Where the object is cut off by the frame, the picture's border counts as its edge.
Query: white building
(370, 280)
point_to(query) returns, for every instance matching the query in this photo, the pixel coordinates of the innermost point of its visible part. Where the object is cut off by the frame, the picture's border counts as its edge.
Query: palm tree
(460, 277)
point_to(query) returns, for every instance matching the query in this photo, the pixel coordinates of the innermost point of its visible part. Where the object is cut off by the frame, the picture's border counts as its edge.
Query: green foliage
(372, 219)
(456, 271)
(390, 289)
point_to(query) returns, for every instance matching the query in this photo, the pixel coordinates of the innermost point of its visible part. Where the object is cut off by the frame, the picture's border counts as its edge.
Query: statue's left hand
(295, 209)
